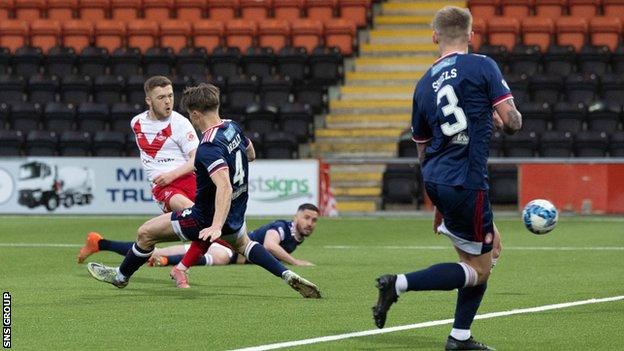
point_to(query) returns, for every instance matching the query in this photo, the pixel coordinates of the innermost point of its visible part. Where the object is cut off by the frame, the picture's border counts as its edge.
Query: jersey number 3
(450, 129)
(239, 174)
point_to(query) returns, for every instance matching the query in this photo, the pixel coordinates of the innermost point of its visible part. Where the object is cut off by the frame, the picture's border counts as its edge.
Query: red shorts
(185, 186)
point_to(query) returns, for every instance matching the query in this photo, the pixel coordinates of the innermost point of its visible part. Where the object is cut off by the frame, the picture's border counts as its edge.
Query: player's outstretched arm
(223, 199)
(166, 178)
(251, 152)
(272, 245)
(511, 117)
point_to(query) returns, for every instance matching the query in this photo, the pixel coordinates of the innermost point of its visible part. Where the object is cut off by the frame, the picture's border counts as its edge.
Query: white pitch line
(529, 248)
(37, 245)
(424, 325)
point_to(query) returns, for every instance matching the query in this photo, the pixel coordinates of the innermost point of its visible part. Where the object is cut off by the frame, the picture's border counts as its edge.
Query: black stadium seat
(5, 115)
(92, 61)
(60, 61)
(326, 65)
(42, 89)
(276, 91)
(76, 88)
(41, 143)
(522, 144)
(559, 60)
(400, 185)
(594, 59)
(158, 61)
(503, 184)
(12, 141)
(298, 120)
(616, 144)
(74, 143)
(497, 144)
(568, 116)
(27, 61)
(192, 61)
(591, 144)
(617, 60)
(241, 92)
(497, 52)
(92, 116)
(556, 144)
(109, 143)
(581, 87)
(121, 114)
(546, 88)
(604, 117)
(131, 147)
(292, 62)
(225, 61)
(258, 62)
(613, 88)
(5, 60)
(313, 94)
(59, 116)
(407, 146)
(260, 118)
(108, 89)
(12, 88)
(536, 116)
(524, 59)
(519, 85)
(280, 145)
(125, 62)
(134, 89)
(25, 116)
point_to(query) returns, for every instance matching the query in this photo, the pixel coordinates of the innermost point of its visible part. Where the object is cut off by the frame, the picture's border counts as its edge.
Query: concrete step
(357, 133)
(357, 148)
(398, 121)
(418, 8)
(403, 106)
(394, 64)
(355, 177)
(367, 92)
(383, 78)
(355, 184)
(356, 206)
(412, 20)
(400, 36)
(350, 154)
(354, 169)
(357, 191)
(398, 49)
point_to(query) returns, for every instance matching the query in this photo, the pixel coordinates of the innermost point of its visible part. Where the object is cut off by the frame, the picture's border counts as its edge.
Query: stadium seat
(45, 34)
(280, 145)
(522, 144)
(292, 62)
(400, 184)
(125, 61)
(92, 61)
(321, 10)
(479, 27)
(483, 8)
(5, 60)
(59, 116)
(13, 34)
(546, 88)
(134, 89)
(60, 61)
(93, 10)
(517, 9)
(537, 31)
(131, 147)
(42, 89)
(289, 10)
(92, 116)
(190, 10)
(142, 34)
(158, 61)
(108, 89)
(583, 8)
(192, 61)
(313, 94)
(241, 92)
(497, 52)
(222, 10)
(240, 33)
(582, 87)
(261, 118)
(556, 144)
(12, 141)
(29, 10)
(207, 34)
(13, 88)
(604, 117)
(109, 143)
(550, 8)
(342, 34)
(120, 115)
(616, 144)
(159, 10)
(326, 65)
(569, 116)
(525, 59)
(536, 116)
(503, 31)
(307, 33)
(591, 144)
(503, 184)
(407, 147)
(110, 34)
(77, 34)
(74, 143)
(258, 62)
(125, 10)
(617, 60)
(6, 9)
(613, 8)
(5, 115)
(594, 59)
(25, 116)
(605, 31)
(255, 10)
(62, 10)
(298, 120)
(179, 83)
(76, 88)
(273, 33)
(560, 60)
(275, 91)
(571, 31)
(519, 85)
(41, 143)
(27, 61)
(497, 144)
(257, 140)
(356, 11)
(175, 34)
(613, 89)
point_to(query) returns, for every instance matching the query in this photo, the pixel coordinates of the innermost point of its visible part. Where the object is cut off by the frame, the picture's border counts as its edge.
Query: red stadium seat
(340, 33)
(142, 34)
(190, 10)
(62, 10)
(307, 33)
(222, 10)
(550, 8)
(613, 8)
(207, 34)
(503, 31)
(93, 10)
(29, 9)
(583, 8)
(605, 31)
(110, 34)
(157, 10)
(517, 9)
(571, 31)
(537, 31)
(6, 7)
(483, 8)
(240, 33)
(355, 10)
(125, 10)
(13, 34)
(479, 28)
(77, 34)
(175, 34)
(321, 10)
(273, 33)
(288, 9)
(255, 10)
(45, 34)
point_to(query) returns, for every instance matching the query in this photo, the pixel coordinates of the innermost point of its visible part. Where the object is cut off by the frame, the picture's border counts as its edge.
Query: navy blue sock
(120, 247)
(135, 258)
(175, 259)
(260, 256)
(468, 301)
(442, 276)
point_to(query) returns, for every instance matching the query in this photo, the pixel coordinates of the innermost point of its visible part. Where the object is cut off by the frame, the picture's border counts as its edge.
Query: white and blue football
(540, 216)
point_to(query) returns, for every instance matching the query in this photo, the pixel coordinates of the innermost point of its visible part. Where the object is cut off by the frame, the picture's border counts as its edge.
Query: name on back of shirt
(234, 143)
(446, 75)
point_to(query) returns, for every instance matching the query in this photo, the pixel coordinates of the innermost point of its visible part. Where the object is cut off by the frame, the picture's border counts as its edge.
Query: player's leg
(96, 243)
(217, 255)
(179, 202)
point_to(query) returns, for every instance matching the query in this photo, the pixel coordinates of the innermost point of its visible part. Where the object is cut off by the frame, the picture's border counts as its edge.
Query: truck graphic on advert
(49, 185)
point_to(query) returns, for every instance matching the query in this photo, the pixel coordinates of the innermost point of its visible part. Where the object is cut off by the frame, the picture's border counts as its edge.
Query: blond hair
(452, 24)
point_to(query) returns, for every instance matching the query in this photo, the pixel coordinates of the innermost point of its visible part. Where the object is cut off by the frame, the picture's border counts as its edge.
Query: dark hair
(156, 81)
(308, 206)
(202, 98)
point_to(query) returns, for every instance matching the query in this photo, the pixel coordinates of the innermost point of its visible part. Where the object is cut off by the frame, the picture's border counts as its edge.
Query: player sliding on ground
(280, 238)
(221, 164)
(455, 105)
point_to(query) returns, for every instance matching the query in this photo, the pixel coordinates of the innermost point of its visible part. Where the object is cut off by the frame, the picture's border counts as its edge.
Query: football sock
(442, 276)
(401, 284)
(197, 249)
(135, 258)
(120, 247)
(460, 334)
(175, 259)
(468, 301)
(257, 254)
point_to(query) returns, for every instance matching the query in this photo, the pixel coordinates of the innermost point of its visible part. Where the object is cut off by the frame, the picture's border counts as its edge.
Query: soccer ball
(540, 216)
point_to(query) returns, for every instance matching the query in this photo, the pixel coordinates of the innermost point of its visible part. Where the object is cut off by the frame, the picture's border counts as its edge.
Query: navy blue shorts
(467, 214)
(187, 225)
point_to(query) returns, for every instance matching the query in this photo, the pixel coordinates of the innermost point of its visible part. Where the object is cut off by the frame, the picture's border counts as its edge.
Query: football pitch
(56, 305)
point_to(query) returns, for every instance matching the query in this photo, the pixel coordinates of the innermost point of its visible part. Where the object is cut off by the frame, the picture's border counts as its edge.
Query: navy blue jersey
(223, 146)
(452, 109)
(285, 229)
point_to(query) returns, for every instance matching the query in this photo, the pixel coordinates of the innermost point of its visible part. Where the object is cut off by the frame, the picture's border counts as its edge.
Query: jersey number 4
(450, 129)
(239, 174)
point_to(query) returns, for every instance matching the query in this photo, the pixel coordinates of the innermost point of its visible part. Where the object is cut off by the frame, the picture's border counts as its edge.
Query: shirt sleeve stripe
(215, 164)
(217, 169)
(421, 141)
(500, 99)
